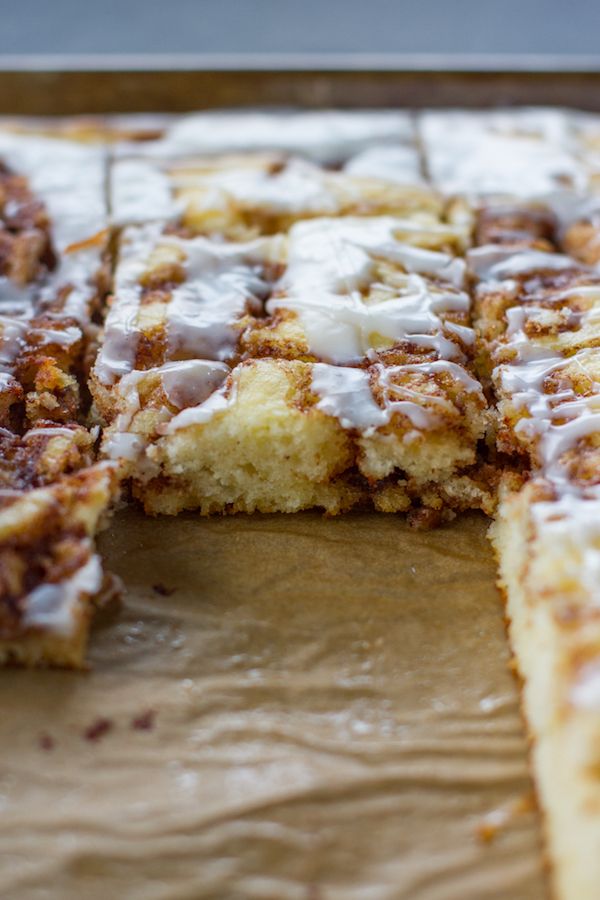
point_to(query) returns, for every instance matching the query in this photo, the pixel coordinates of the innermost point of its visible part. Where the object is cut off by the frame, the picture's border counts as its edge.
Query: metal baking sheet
(50, 85)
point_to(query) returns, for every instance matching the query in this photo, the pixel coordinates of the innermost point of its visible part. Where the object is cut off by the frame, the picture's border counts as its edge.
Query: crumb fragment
(162, 590)
(145, 721)
(98, 729)
(46, 742)
(502, 817)
(423, 518)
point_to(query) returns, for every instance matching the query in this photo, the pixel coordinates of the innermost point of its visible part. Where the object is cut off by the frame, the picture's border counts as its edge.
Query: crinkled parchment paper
(319, 709)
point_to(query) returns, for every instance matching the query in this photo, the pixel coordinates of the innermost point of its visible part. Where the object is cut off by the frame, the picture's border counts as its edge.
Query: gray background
(281, 26)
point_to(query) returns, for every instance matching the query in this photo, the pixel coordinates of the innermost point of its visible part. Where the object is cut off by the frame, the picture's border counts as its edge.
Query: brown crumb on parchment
(145, 721)
(46, 742)
(423, 518)
(98, 729)
(313, 892)
(497, 820)
(162, 589)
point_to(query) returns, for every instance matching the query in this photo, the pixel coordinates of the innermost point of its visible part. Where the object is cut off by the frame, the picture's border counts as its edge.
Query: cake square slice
(178, 298)
(252, 195)
(354, 289)
(282, 435)
(363, 390)
(536, 316)
(215, 174)
(50, 576)
(527, 153)
(53, 240)
(329, 138)
(547, 539)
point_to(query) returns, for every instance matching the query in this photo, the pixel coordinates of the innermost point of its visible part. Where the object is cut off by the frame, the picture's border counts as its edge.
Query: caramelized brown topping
(533, 227)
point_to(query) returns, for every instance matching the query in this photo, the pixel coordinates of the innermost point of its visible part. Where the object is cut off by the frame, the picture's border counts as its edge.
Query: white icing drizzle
(347, 394)
(396, 163)
(64, 337)
(223, 282)
(6, 381)
(493, 263)
(331, 261)
(218, 402)
(552, 425)
(186, 383)
(68, 177)
(325, 136)
(524, 153)
(12, 334)
(50, 431)
(192, 381)
(144, 190)
(585, 692)
(141, 192)
(54, 606)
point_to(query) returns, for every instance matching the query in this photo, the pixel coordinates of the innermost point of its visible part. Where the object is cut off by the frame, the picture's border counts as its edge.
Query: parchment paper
(320, 709)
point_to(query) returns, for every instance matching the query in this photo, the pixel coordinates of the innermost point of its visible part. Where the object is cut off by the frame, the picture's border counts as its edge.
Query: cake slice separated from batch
(308, 318)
